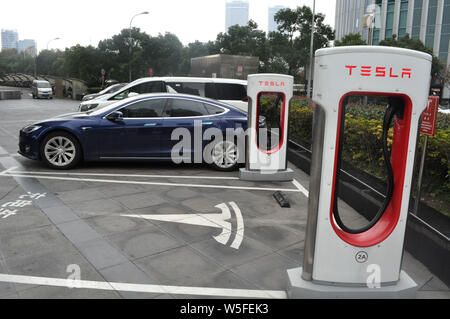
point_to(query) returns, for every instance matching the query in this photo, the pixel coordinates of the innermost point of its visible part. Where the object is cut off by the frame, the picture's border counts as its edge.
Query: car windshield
(44, 85)
(103, 109)
(112, 88)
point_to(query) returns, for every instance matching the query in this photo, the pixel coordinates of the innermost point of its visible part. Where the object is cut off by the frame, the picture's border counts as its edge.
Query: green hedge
(363, 146)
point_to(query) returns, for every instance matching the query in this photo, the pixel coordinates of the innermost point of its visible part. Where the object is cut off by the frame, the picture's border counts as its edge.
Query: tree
(408, 43)
(12, 61)
(121, 50)
(292, 41)
(194, 50)
(45, 62)
(243, 40)
(164, 54)
(350, 39)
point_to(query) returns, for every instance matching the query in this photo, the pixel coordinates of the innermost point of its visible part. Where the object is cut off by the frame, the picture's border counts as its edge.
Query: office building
(236, 13)
(272, 25)
(28, 46)
(426, 20)
(9, 39)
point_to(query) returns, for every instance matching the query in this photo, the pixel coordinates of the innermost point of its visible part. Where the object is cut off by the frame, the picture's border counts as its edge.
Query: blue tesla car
(137, 128)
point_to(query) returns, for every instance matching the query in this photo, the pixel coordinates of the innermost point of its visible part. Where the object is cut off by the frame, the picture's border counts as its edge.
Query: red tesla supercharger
(341, 260)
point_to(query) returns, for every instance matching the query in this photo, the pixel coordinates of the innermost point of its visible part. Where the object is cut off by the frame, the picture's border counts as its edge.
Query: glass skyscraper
(426, 20)
(236, 13)
(9, 39)
(28, 46)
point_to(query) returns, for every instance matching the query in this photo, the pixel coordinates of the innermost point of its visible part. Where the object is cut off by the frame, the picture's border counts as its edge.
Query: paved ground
(83, 226)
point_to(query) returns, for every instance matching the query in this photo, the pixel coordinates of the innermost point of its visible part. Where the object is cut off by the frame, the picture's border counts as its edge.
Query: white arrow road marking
(240, 227)
(208, 220)
(226, 226)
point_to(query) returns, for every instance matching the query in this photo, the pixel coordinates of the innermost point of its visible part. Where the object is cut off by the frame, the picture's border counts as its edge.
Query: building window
(389, 19)
(402, 19)
(417, 16)
(376, 36)
(445, 34)
(431, 23)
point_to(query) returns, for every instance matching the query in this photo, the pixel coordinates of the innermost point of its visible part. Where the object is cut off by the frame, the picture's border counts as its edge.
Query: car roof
(170, 95)
(177, 96)
(189, 79)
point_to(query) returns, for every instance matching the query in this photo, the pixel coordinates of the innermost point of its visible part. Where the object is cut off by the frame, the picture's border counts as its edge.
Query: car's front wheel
(225, 156)
(60, 150)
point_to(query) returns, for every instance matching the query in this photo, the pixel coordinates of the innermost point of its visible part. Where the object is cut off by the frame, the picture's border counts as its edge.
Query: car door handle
(150, 124)
(207, 123)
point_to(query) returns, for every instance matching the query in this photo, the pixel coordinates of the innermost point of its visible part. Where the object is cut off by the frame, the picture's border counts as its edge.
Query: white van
(233, 92)
(41, 89)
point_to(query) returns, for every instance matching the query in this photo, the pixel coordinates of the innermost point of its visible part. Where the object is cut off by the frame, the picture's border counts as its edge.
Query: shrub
(363, 144)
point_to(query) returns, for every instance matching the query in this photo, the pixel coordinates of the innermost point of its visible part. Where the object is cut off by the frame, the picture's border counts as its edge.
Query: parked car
(41, 89)
(110, 89)
(233, 92)
(136, 128)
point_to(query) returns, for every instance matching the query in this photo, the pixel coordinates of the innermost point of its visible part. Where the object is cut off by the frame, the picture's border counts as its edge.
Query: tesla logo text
(379, 71)
(271, 83)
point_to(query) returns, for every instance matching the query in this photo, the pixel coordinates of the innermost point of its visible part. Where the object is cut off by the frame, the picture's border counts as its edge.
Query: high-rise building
(236, 13)
(9, 39)
(272, 25)
(28, 46)
(426, 20)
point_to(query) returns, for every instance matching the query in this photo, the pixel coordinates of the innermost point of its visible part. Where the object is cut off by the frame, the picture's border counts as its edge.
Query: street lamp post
(51, 41)
(130, 49)
(311, 50)
(36, 56)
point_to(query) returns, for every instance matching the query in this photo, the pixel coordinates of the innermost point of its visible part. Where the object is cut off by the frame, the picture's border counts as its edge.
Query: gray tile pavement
(80, 222)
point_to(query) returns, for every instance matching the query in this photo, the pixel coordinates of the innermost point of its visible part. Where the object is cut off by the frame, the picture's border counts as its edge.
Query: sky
(87, 22)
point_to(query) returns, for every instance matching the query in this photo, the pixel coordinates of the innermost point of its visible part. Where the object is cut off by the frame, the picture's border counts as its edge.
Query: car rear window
(144, 109)
(213, 110)
(191, 88)
(185, 108)
(233, 92)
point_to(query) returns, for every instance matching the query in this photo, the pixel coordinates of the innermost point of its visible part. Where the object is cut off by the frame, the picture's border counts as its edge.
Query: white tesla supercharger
(266, 147)
(344, 261)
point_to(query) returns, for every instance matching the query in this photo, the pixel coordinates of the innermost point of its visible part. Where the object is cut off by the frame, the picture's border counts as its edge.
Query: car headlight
(87, 107)
(31, 128)
(88, 98)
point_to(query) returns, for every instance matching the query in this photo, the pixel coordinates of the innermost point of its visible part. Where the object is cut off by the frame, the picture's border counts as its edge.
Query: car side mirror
(115, 116)
(131, 94)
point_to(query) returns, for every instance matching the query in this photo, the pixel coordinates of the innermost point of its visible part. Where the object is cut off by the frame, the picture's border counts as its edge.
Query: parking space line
(12, 174)
(144, 288)
(300, 188)
(128, 175)
(8, 170)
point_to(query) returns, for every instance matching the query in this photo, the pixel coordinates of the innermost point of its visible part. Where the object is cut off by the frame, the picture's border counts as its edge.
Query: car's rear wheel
(60, 150)
(225, 156)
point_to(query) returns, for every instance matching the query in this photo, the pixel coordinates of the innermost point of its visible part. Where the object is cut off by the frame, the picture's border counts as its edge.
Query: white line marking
(150, 183)
(128, 175)
(8, 170)
(300, 188)
(155, 289)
